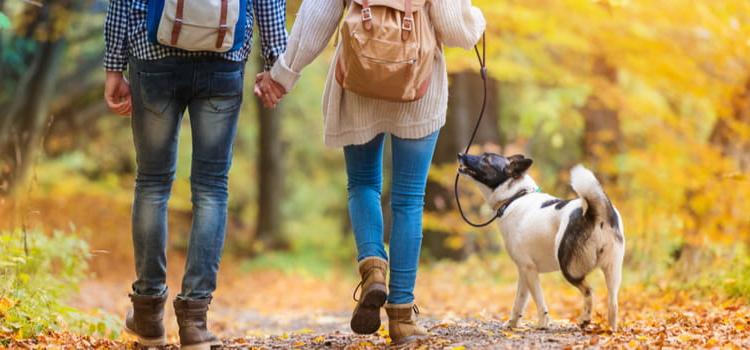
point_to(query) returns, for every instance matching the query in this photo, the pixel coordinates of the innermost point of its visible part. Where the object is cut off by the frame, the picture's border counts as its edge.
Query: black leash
(482, 58)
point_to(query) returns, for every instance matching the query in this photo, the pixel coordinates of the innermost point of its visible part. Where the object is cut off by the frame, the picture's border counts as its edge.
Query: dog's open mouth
(466, 170)
(463, 169)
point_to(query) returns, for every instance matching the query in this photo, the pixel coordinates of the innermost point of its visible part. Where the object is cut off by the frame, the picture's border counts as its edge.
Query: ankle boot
(191, 317)
(402, 325)
(366, 315)
(144, 319)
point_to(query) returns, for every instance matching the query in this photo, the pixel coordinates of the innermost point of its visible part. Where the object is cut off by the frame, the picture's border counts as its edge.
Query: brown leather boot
(191, 317)
(144, 319)
(366, 315)
(402, 325)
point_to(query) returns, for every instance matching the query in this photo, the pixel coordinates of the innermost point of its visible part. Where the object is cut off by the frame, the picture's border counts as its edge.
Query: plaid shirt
(125, 34)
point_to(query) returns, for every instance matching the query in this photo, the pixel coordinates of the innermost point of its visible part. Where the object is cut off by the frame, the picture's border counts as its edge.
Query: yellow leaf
(319, 339)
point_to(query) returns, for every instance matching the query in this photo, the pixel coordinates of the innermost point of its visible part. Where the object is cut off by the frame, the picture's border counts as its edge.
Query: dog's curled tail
(590, 190)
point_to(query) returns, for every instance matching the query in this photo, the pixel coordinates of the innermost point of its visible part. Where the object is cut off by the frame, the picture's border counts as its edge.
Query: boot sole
(203, 346)
(366, 316)
(159, 341)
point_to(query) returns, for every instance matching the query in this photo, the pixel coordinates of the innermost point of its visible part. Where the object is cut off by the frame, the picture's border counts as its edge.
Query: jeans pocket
(157, 90)
(225, 92)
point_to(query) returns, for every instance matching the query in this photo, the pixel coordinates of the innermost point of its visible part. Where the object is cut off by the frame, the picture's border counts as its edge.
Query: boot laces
(361, 284)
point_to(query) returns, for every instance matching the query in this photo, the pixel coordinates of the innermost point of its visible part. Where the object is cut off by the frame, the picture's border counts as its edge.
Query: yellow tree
(664, 87)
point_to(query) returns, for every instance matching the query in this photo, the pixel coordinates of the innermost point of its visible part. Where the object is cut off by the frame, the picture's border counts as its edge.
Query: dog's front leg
(519, 305)
(532, 281)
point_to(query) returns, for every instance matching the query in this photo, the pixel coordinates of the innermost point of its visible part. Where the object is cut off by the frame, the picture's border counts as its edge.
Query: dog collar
(507, 203)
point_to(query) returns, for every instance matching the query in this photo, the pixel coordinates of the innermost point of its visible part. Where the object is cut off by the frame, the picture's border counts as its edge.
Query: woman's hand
(269, 91)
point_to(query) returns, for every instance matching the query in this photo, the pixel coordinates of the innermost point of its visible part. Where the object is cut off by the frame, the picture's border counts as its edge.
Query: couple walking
(165, 81)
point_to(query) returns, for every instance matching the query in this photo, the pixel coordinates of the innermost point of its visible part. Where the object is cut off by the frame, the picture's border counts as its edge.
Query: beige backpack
(387, 49)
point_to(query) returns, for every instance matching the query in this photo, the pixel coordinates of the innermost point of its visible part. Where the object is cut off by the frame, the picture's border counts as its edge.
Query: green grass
(37, 273)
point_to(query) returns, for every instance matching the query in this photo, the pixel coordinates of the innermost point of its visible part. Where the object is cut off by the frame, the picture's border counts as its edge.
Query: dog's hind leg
(587, 303)
(519, 305)
(613, 277)
(531, 276)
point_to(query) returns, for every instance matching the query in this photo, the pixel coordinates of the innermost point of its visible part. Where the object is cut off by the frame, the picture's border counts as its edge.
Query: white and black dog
(545, 234)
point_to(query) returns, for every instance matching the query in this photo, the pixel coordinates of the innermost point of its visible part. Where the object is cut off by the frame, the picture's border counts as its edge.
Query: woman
(360, 125)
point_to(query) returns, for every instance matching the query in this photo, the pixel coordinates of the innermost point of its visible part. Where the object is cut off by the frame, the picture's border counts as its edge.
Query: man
(163, 83)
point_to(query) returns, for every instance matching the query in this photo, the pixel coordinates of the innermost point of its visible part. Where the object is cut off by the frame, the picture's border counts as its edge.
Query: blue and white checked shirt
(125, 34)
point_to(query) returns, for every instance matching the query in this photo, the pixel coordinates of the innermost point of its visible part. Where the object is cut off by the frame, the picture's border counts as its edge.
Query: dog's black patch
(613, 221)
(550, 202)
(493, 170)
(579, 229)
(558, 203)
(562, 204)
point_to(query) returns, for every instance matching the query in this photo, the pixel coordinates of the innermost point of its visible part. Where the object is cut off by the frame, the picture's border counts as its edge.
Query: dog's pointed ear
(515, 158)
(518, 166)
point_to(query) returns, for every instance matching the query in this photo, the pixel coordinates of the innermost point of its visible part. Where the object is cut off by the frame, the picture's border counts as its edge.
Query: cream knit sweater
(351, 119)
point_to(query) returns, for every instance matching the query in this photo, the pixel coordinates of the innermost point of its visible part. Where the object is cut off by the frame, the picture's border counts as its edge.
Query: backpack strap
(366, 14)
(222, 24)
(407, 23)
(177, 26)
(338, 27)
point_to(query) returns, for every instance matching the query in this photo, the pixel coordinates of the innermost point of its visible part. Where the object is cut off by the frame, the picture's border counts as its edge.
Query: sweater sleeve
(457, 23)
(316, 22)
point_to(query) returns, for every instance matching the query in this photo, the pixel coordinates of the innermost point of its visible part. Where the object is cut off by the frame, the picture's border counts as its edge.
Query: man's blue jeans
(211, 90)
(411, 163)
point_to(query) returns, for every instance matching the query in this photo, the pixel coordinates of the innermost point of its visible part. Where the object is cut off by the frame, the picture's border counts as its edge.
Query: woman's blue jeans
(364, 167)
(211, 90)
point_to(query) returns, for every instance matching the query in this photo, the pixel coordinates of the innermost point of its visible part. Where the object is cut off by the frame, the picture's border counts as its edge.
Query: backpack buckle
(366, 14)
(407, 23)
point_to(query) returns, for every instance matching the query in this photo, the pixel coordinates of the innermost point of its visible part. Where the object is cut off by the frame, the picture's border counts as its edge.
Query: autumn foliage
(653, 96)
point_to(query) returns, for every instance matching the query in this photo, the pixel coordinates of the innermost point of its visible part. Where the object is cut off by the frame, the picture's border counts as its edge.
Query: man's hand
(269, 91)
(117, 93)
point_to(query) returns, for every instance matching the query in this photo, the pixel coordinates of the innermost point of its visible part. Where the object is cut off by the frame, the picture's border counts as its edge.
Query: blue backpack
(203, 25)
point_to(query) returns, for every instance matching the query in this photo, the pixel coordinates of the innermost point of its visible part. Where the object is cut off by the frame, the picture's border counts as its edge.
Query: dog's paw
(510, 324)
(542, 323)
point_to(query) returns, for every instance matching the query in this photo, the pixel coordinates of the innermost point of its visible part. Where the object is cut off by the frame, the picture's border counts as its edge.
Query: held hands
(269, 91)
(117, 94)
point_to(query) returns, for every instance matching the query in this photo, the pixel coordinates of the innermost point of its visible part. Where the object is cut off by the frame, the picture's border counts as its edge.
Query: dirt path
(464, 305)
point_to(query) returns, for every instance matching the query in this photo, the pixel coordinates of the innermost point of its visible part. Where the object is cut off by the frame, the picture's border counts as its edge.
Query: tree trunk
(23, 126)
(602, 135)
(464, 104)
(726, 136)
(731, 144)
(271, 178)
